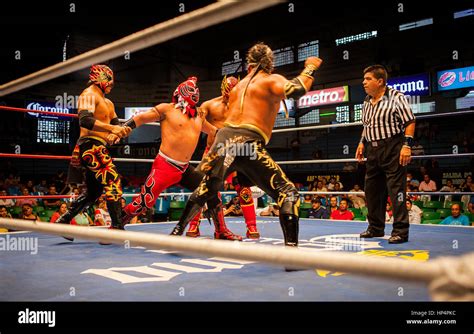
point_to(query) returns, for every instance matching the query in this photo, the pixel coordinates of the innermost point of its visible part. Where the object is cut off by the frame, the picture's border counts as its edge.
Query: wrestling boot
(290, 225)
(248, 209)
(76, 207)
(221, 230)
(190, 211)
(193, 230)
(250, 221)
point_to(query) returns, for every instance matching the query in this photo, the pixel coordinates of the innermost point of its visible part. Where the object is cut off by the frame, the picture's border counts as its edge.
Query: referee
(389, 127)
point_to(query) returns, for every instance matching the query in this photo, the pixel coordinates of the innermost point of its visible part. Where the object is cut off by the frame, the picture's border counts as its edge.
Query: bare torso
(216, 112)
(179, 133)
(261, 104)
(104, 109)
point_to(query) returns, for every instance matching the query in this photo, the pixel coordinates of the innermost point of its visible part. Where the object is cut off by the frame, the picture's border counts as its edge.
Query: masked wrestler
(216, 112)
(97, 119)
(181, 125)
(253, 105)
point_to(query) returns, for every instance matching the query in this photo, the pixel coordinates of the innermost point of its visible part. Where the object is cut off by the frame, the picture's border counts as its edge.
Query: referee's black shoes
(371, 234)
(396, 239)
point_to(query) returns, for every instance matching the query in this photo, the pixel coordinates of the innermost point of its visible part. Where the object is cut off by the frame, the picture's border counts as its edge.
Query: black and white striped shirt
(387, 117)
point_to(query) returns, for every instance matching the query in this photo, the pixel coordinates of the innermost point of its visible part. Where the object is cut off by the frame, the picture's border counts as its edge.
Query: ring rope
(437, 273)
(303, 128)
(221, 11)
(66, 157)
(53, 113)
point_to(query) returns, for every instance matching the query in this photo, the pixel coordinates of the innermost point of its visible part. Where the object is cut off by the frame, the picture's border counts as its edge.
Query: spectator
(325, 183)
(4, 214)
(74, 193)
(41, 188)
(83, 219)
(414, 213)
(427, 184)
(320, 186)
(6, 202)
(412, 181)
(358, 200)
(11, 181)
(62, 210)
(449, 187)
(342, 213)
(30, 186)
(272, 210)
(233, 208)
(313, 186)
(456, 217)
(52, 203)
(27, 213)
(332, 184)
(412, 197)
(471, 205)
(333, 204)
(21, 201)
(317, 211)
(307, 198)
(388, 213)
(467, 185)
(123, 204)
(102, 216)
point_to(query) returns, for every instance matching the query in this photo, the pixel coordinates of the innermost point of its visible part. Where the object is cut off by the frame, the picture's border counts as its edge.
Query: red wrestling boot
(221, 232)
(248, 209)
(193, 230)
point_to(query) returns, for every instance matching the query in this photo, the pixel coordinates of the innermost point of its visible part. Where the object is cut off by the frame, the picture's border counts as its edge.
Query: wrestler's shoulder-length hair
(261, 54)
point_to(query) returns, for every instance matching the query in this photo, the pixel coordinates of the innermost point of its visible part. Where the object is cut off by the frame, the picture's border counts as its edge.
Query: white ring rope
(388, 268)
(344, 125)
(321, 161)
(199, 19)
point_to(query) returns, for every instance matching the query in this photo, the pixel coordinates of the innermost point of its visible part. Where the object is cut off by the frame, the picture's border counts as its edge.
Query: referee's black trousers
(385, 176)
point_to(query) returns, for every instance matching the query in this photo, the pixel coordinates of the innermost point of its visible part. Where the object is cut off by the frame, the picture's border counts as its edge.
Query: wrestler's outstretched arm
(155, 114)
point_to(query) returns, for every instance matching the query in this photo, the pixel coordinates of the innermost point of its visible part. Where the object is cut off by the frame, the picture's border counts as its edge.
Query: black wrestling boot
(190, 211)
(290, 226)
(115, 211)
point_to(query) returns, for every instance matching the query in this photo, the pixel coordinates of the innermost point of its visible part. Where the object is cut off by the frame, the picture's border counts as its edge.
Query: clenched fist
(315, 61)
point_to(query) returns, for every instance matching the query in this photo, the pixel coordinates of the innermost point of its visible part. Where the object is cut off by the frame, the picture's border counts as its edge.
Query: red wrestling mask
(186, 96)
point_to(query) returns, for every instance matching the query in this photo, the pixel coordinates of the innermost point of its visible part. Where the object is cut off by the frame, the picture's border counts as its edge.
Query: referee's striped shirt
(387, 117)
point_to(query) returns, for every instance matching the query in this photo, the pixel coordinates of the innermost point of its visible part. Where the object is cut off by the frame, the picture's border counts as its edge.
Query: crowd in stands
(449, 209)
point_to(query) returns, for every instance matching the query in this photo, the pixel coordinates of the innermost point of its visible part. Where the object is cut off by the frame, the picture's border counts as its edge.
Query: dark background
(39, 31)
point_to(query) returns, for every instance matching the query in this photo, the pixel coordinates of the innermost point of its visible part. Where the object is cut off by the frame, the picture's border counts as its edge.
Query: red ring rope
(52, 113)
